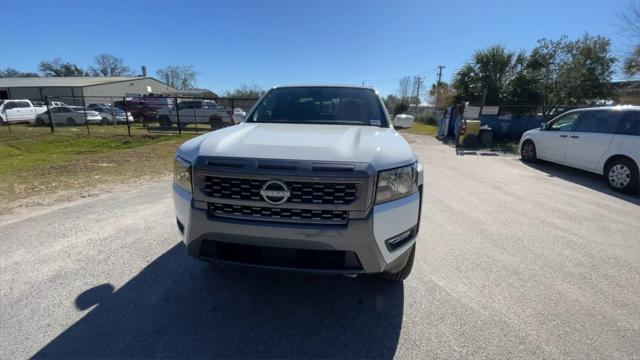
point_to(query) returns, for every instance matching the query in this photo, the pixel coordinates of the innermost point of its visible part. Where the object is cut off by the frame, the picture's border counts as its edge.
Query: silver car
(111, 114)
(68, 115)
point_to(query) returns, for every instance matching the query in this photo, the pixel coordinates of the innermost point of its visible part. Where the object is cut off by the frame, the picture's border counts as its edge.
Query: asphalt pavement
(513, 261)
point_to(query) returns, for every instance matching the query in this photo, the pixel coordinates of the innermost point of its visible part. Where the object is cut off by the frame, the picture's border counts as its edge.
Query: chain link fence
(125, 115)
(509, 122)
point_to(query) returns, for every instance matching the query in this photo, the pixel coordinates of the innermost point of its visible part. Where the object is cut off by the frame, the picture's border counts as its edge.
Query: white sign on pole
(490, 110)
(471, 112)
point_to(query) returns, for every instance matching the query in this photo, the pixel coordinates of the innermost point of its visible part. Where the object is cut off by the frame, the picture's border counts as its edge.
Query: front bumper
(365, 237)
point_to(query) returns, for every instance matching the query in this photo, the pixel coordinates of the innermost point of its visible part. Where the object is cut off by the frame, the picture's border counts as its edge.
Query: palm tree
(487, 75)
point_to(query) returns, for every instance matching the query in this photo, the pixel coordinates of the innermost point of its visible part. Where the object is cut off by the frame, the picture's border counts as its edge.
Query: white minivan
(603, 140)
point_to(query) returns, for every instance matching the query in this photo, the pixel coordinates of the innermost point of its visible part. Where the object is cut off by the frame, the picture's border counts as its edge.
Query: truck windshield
(320, 105)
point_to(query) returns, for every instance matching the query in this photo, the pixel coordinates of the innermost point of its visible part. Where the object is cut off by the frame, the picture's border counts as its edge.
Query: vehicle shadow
(581, 177)
(178, 307)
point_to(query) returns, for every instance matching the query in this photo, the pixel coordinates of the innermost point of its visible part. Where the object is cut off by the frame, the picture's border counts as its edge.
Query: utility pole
(435, 106)
(440, 67)
(418, 80)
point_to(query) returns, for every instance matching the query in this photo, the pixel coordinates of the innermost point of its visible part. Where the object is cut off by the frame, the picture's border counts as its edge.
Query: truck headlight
(182, 174)
(397, 183)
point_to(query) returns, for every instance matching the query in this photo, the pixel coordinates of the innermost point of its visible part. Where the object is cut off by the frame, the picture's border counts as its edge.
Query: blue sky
(274, 42)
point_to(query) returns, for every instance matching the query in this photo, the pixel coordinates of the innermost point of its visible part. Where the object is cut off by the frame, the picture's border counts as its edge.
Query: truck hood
(381, 147)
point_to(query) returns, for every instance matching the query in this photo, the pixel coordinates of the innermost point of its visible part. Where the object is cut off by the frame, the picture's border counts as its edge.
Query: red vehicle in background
(145, 108)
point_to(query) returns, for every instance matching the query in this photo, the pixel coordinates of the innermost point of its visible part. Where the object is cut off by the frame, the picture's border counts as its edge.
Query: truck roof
(324, 85)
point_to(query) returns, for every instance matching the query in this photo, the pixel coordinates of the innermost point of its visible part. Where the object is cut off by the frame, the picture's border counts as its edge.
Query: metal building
(627, 92)
(71, 89)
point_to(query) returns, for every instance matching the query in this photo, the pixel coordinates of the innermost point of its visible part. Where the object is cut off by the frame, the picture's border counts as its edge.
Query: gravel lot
(514, 261)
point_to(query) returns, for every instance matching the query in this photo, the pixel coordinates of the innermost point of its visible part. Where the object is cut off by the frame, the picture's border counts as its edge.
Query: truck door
(11, 111)
(26, 110)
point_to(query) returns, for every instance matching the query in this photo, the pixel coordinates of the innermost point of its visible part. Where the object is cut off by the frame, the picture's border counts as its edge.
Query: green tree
(109, 65)
(572, 72)
(57, 67)
(522, 86)
(632, 63)
(395, 105)
(466, 85)
(556, 73)
(390, 102)
(11, 72)
(441, 95)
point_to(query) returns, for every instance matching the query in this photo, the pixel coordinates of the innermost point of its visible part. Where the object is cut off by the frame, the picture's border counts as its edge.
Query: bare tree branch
(109, 65)
(631, 20)
(180, 77)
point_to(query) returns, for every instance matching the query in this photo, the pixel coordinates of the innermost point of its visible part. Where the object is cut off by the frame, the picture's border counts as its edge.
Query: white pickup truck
(315, 179)
(196, 111)
(19, 111)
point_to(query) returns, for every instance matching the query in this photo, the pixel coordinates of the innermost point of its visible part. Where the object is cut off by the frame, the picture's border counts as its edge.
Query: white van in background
(603, 140)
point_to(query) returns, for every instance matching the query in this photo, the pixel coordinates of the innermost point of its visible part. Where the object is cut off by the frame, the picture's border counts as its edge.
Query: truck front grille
(278, 214)
(302, 192)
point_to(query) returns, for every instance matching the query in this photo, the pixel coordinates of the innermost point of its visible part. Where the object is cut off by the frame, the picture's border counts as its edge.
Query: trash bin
(469, 133)
(486, 136)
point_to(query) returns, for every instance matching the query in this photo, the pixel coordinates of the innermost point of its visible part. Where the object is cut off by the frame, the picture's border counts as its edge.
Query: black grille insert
(331, 260)
(279, 214)
(302, 192)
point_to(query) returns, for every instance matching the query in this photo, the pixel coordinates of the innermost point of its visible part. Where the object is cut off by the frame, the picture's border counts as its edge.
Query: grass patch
(21, 153)
(34, 162)
(506, 146)
(421, 129)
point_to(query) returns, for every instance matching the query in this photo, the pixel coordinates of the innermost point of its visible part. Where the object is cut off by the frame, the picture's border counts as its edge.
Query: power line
(392, 78)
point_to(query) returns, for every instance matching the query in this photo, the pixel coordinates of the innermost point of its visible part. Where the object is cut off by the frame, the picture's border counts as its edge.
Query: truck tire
(71, 122)
(404, 273)
(216, 122)
(40, 121)
(164, 121)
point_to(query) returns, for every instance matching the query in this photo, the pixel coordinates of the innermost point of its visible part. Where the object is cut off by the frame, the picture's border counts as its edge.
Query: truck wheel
(105, 121)
(40, 122)
(216, 122)
(622, 175)
(164, 121)
(404, 272)
(71, 121)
